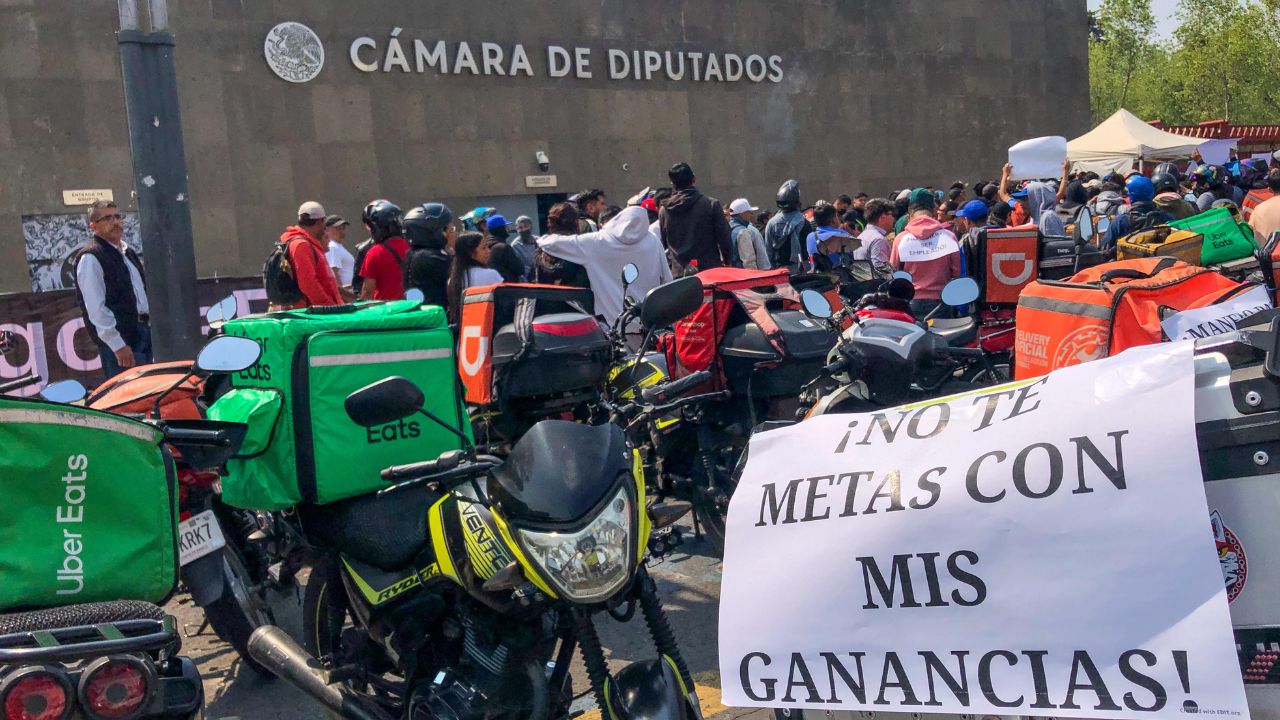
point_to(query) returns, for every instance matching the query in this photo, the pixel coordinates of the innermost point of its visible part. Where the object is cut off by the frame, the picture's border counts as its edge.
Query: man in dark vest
(112, 293)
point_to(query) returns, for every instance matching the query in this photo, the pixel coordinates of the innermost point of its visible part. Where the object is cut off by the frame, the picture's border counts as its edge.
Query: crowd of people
(678, 230)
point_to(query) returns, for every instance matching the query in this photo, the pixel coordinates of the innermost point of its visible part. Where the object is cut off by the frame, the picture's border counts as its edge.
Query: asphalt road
(688, 582)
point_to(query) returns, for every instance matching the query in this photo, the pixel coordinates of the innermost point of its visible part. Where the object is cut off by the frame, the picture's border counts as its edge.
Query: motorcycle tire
(319, 613)
(237, 614)
(712, 507)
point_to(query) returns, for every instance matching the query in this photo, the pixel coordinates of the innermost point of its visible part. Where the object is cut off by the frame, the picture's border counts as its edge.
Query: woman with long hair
(470, 258)
(562, 222)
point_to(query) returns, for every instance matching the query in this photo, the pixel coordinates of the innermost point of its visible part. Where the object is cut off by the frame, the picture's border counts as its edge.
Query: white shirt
(342, 262)
(93, 288)
(481, 276)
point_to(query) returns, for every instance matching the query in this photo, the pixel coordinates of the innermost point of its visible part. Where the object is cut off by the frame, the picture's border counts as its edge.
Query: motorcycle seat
(385, 531)
(956, 331)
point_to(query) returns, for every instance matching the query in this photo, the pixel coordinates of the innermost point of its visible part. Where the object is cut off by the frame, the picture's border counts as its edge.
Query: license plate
(198, 536)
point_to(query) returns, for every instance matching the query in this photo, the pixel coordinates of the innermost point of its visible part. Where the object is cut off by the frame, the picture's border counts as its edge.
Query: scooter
(114, 659)
(464, 588)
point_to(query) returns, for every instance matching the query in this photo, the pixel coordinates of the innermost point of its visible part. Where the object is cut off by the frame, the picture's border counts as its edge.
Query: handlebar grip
(838, 366)
(665, 391)
(446, 461)
(193, 435)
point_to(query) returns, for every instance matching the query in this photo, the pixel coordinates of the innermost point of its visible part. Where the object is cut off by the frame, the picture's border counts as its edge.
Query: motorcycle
(886, 357)
(223, 570)
(120, 658)
(463, 590)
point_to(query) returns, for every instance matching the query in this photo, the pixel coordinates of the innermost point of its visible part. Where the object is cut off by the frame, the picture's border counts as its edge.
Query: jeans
(921, 308)
(141, 353)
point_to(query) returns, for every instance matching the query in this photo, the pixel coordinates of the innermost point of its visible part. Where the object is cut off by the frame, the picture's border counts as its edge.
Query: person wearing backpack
(383, 267)
(297, 273)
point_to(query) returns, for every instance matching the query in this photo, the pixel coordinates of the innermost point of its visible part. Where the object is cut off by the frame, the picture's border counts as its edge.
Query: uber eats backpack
(278, 276)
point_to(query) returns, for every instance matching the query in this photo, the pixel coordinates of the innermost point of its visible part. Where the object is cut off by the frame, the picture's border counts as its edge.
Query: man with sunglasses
(112, 293)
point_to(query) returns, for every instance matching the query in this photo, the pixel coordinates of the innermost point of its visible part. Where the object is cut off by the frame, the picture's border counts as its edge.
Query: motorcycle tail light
(115, 688)
(36, 694)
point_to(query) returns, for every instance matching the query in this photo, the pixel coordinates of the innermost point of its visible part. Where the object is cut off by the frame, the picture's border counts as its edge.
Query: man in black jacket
(431, 234)
(693, 225)
(112, 292)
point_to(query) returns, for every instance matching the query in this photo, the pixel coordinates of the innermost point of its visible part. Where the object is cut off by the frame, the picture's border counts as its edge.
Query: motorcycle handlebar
(9, 386)
(446, 461)
(664, 391)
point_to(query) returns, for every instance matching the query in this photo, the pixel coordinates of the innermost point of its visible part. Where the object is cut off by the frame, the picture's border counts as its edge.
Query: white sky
(1164, 11)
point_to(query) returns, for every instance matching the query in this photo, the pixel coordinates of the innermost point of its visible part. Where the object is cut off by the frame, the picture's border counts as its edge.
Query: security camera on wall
(544, 162)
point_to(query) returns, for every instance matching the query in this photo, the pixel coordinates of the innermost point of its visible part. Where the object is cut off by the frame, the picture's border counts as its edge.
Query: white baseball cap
(311, 209)
(739, 206)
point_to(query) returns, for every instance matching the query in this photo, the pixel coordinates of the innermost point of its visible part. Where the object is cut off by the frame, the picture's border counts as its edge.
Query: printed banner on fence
(1041, 548)
(53, 343)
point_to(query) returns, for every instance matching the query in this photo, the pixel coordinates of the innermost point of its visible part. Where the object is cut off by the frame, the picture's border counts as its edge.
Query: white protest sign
(1216, 319)
(1040, 548)
(1038, 158)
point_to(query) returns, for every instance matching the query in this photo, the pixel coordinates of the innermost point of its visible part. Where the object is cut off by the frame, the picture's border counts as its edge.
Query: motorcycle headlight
(591, 564)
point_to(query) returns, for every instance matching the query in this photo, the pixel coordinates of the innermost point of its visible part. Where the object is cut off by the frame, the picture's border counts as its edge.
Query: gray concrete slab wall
(876, 95)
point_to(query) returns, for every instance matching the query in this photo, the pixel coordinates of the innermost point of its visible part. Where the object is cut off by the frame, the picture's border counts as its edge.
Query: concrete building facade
(446, 101)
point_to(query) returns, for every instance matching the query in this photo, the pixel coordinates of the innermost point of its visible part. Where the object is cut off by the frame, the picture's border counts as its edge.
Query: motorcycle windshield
(559, 472)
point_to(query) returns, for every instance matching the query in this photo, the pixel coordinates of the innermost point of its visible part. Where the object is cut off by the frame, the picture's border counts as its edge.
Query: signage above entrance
(86, 197)
(296, 54)
(540, 181)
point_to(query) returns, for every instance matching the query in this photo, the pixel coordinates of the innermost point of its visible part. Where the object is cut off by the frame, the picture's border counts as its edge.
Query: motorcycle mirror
(815, 304)
(63, 392)
(1084, 225)
(960, 291)
(228, 353)
(903, 275)
(221, 311)
(629, 274)
(1103, 225)
(383, 402)
(415, 295)
(668, 303)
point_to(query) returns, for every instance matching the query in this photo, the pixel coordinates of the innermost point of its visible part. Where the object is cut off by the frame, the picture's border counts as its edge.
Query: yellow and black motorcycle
(464, 590)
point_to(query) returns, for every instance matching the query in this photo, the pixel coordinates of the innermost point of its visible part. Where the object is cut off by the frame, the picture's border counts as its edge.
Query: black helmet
(1164, 182)
(789, 195)
(424, 225)
(382, 217)
(1167, 167)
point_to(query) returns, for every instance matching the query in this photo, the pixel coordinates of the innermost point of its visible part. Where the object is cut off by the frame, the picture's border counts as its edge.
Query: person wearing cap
(1143, 213)
(970, 219)
(525, 243)
(747, 240)
(917, 200)
(875, 236)
(828, 245)
(501, 255)
(340, 258)
(112, 293)
(303, 243)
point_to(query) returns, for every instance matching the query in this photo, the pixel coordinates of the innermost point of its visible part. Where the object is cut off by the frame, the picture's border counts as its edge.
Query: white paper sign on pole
(1038, 158)
(1040, 548)
(1216, 319)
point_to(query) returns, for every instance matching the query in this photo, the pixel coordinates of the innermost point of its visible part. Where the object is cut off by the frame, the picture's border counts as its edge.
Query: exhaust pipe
(278, 652)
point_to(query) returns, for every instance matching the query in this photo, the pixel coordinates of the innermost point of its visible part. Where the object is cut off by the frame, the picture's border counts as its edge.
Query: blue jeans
(141, 353)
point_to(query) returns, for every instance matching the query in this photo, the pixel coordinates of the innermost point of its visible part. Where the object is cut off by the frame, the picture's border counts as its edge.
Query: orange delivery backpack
(134, 392)
(1108, 308)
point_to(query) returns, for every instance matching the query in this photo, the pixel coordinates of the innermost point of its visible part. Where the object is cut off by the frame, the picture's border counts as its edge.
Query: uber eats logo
(399, 430)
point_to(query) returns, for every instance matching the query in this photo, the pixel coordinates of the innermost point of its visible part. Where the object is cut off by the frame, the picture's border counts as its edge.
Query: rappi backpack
(278, 277)
(1108, 308)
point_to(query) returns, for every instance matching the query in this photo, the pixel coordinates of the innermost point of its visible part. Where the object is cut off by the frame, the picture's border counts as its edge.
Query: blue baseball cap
(496, 221)
(1019, 195)
(974, 211)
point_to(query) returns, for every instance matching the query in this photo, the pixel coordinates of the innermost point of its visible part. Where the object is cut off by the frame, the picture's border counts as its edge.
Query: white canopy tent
(1122, 140)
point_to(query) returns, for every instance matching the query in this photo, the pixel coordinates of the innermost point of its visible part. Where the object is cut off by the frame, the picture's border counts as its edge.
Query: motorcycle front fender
(648, 690)
(205, 578)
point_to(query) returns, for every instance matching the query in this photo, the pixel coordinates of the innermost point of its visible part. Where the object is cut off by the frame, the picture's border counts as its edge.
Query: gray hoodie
(1043, 202)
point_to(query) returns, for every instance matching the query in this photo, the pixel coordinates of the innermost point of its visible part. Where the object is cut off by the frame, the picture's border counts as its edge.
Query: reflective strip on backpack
(73, 419)
(380, 357)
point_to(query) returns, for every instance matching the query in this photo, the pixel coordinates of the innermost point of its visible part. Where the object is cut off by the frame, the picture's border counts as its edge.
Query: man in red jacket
(304, 243)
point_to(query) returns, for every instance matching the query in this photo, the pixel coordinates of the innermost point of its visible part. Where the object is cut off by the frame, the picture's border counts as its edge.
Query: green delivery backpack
(301, 447)
(89, 511)
(1225, 239)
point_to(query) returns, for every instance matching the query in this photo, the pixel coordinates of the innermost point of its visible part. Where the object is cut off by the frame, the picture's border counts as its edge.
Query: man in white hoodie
(624, 239)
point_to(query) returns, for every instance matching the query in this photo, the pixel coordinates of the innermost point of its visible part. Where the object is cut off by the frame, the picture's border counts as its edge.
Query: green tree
(1120, 49)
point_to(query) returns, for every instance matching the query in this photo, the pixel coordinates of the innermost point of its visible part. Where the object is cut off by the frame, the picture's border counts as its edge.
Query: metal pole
(160, 181)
